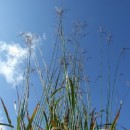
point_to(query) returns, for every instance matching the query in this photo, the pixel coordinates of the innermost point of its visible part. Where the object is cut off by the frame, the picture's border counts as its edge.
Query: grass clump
(64, 103)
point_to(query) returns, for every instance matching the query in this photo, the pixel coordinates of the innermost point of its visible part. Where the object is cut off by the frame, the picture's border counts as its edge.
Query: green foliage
(7, 115)
(61, 106)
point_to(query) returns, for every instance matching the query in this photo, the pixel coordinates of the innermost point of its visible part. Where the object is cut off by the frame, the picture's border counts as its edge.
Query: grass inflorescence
(62, 105)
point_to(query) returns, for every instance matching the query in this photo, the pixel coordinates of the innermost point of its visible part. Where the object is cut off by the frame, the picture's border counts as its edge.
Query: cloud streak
(11, 56)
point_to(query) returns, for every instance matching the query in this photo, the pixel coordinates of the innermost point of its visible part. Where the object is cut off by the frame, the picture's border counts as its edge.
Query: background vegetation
(66, 101)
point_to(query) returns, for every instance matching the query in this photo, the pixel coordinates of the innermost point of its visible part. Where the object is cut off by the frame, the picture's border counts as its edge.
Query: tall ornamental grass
(65, 103)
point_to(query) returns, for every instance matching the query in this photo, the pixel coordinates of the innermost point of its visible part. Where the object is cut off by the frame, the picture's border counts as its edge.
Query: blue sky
(38, 16)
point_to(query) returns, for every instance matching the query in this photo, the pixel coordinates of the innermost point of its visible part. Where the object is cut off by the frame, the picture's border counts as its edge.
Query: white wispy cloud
(11, 56)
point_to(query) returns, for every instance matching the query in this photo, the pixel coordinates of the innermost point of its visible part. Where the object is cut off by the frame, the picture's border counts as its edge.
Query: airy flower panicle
(30, 38)
(59, 11)
(79, 27)
(109, 37)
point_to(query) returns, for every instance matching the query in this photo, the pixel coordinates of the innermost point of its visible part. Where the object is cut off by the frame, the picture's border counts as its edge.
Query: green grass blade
(72, 93)
(32, 118)
(56, 102)
(44, 113)
(56, 91)
(85, 124)
(116, 118)
(18, 122)
(6, 112)
(8, 125)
